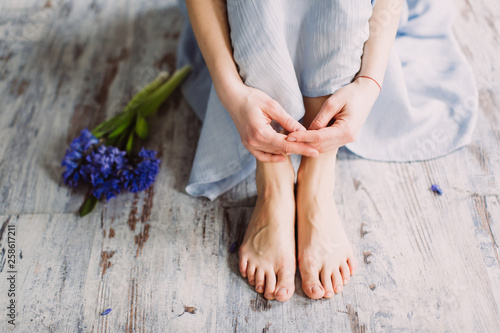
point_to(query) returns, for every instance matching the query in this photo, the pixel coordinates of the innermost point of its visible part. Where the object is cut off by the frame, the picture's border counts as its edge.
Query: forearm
(211, 28)
(383, 26)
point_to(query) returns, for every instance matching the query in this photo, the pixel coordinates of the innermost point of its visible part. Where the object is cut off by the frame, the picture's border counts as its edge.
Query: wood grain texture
(162, 260)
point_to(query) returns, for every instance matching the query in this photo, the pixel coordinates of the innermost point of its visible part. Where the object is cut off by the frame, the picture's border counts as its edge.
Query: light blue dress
(292, 48)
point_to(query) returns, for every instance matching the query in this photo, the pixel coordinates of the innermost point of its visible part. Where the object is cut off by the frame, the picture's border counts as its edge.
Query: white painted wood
(161, 259)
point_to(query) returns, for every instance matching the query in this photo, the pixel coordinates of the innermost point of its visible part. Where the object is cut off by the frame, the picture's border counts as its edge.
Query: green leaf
(121, 142)
(153, 101)
(141, 127)
(147, 91)
(111, 141)
(128, 113)
(88, 205)
(119, 130)
(130, 143)
(112, 124)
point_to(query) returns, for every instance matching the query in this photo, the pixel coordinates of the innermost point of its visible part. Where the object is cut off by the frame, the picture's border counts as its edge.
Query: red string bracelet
(370, 79)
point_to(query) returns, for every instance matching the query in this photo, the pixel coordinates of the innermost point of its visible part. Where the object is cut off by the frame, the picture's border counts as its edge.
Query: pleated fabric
(427, 106)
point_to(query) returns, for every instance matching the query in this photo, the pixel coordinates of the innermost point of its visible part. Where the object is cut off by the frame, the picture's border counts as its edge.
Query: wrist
(376, 75)
(228, 90)
(368, 80)
(368, 86)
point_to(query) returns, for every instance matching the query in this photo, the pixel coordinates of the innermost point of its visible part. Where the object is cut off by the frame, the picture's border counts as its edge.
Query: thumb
(330, 108)
(276, 112)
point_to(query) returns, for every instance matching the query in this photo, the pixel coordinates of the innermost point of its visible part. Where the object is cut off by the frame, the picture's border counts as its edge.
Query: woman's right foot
(267, 254)
(325, 255)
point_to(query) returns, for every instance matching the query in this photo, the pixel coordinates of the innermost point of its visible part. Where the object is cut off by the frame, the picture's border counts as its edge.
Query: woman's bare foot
(325, 256)
(267, 254)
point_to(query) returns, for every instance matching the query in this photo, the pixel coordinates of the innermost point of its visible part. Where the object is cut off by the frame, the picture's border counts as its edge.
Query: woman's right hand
(252, 111)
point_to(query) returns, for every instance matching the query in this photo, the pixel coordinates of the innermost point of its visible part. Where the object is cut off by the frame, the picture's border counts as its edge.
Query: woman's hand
(252, 111)
(348, 107)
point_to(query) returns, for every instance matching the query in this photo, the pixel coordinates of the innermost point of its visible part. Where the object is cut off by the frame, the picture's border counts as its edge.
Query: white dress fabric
(427, 106)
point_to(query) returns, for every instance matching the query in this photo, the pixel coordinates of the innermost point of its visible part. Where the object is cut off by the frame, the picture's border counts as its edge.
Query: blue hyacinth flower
(73, 158)
(136, 178)
(104, 167)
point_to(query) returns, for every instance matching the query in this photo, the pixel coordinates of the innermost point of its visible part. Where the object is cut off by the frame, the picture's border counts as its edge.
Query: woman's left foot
(325, 256)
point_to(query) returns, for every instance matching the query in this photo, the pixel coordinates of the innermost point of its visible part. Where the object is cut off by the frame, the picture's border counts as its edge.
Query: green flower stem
(120, 144)
(128, 113)
(141, 127)
(147, 91)
(130, 143)
(119, 130)
(153, 101)
(88, 205)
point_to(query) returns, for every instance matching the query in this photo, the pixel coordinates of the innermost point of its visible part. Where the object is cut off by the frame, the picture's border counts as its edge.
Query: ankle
(316, 176)
(275, 178)
(268, 189)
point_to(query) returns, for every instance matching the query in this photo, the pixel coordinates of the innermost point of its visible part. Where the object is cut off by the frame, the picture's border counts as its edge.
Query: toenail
(281, 292)
(259, 289)
(315, 289)
(269, 295)
(329, 294)
(251, 282)
(346, 281)
(338, 289)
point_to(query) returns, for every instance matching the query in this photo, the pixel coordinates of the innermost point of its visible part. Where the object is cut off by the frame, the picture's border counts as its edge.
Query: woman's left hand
(348, 107)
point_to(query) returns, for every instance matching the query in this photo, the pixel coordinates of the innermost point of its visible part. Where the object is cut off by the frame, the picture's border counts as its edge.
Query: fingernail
(315, 154)
(291, 138)
(329, 294)
(315, 289)
(281, 292)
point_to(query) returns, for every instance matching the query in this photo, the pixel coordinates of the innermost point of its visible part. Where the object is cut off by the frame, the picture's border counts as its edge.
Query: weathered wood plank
(128, 264)
(52, 256)
(161, 259)
(135, 270)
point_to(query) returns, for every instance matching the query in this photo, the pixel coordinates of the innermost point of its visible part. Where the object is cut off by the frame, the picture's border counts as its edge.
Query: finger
(324, 137)
(330, 108)
(276, 112)
(295, 147)
(272, 142)
(267, 157)
(310, 136)
(269, 149)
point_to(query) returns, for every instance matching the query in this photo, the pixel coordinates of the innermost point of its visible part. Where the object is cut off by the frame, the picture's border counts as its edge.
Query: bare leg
(325, 256)
(267, 254)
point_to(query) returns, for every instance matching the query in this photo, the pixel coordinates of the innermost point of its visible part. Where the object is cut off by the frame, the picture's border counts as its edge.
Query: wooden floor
(161, 260)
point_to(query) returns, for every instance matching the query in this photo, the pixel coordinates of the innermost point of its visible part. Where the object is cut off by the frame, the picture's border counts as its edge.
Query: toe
(260, 279)
(310, 283)
(285, 286)
(243, 266)
(351, 261)
(270, 284)
(251, 274)
(337, 281)
(345, 272)
(326, 279)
